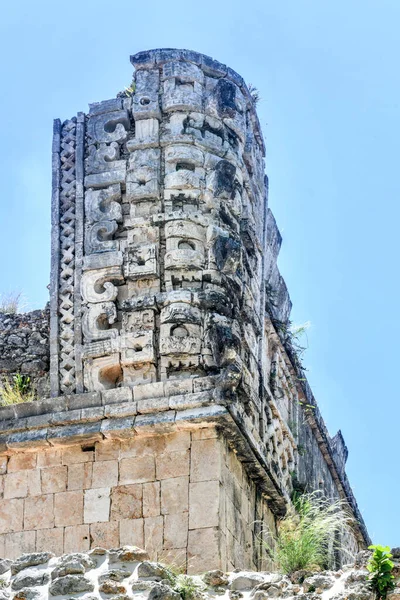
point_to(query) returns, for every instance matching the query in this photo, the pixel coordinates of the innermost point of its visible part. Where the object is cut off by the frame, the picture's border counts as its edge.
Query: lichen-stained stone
(105, 535)
(145, 101)
(176, 530)
(109, 127)
(30, 560)
(30, 578)
(143, 176)
(70, 584)
(203, 549)
(126, 502)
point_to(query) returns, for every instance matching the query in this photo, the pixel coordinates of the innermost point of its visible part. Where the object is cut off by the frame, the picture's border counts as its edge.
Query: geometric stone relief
(67, 226)
(166, 271)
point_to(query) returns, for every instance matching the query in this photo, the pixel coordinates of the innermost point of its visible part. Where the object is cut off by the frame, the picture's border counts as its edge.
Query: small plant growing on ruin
(254, 93)
(16, 391)
(188, 587)
(307, 532)
(10, 303)
(128, 91)
(380, 568)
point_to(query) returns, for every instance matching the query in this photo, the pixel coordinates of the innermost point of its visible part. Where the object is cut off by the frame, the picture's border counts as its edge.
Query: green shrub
(307, 533)
(17, 391)
(187, 586)
(380, 568)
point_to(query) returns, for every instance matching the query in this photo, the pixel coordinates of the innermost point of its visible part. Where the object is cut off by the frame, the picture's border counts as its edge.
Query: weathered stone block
(20, 462)
(131, 532)
(203, 550)
(153, 535)
(49, 458)
(172, 464)
(76, 454)
(105, 535)
(68, 508)
(97, 505)
(174, 495)
(108, 450)
(205, 457)
(15, 485)
(126, 502)
(76, 538)
(19, 543)
(51, 540)
(105, 474)
(138, 470)
(54, 479)
(204, 500)
(80, 476)
(176, 530)
(151, 499)
(39, 512)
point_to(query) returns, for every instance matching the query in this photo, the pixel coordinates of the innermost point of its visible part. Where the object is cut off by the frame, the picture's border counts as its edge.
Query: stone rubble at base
(126, 573)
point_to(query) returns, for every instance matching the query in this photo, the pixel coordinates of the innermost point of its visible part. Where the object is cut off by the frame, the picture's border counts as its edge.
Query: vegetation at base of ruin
(306, 535)
(10, 303)
(3, 584)
(380, 568)
(128, 91)
(254, 93)
(16, 391)
(188, 587)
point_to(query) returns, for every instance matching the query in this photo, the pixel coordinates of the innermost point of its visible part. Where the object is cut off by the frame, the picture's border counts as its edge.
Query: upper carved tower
(159, 234)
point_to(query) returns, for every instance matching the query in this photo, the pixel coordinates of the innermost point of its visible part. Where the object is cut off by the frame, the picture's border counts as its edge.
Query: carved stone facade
(169, 317)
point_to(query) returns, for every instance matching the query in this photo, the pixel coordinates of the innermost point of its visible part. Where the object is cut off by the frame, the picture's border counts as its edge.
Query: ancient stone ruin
(126, 573)
(175, 414)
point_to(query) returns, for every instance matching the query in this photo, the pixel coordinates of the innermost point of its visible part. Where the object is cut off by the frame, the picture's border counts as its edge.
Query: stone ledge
(110, 421)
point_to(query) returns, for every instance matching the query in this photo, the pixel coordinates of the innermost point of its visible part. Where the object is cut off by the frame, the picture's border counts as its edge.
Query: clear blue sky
(328, 75)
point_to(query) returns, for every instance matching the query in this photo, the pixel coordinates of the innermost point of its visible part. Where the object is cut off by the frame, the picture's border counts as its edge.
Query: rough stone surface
(24, 348)
(105, 574)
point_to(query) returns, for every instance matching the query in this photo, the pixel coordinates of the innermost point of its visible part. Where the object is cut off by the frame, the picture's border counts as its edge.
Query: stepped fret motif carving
(67, 257)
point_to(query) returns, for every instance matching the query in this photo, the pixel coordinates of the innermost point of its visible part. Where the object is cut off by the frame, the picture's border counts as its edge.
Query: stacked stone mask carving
(174, 235)
(167, 189)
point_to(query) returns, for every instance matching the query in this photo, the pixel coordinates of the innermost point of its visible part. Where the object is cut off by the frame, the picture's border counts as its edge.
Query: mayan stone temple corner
(172, 407)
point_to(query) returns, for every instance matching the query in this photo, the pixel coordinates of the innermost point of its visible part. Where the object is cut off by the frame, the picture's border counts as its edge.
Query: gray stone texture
(24, 348)
(99, 581)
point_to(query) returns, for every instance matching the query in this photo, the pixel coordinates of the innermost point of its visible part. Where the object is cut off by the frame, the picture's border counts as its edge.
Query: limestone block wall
(183, 496)
(24, 347)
